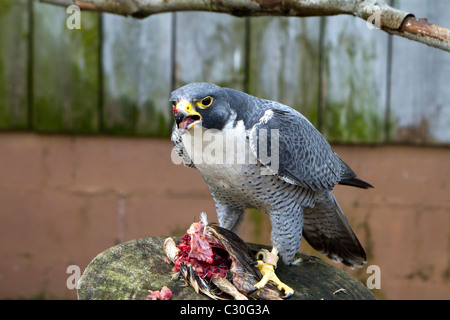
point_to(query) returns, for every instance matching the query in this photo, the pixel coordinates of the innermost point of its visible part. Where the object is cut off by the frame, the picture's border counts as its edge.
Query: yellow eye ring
(205, 102)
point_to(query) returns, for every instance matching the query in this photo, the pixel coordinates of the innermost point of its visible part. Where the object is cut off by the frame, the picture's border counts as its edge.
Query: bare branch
(389, 19)
(422, 31)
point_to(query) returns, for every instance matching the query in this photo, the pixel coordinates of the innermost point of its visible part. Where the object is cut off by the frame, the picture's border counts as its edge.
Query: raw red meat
(203, 253)
(164, 294)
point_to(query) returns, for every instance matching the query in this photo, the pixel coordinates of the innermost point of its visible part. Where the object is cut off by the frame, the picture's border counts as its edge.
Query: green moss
(345, 123)
(125, 116)
(13, 64)
(297, 48)
(66, 72)
(7, 6)
(353, 108)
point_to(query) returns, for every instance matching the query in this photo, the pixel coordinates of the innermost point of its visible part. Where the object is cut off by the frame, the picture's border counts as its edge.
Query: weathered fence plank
(13, 64)
(354, 90)
(347, 79)
(284, 62)
(65, 71)
(420, 100)
(137, 75)
(210, 47)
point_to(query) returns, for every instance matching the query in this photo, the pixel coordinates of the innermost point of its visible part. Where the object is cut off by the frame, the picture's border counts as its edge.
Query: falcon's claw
(266, 263)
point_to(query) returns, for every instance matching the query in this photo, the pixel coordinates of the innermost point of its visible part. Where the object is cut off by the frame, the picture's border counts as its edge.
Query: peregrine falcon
(276, 162)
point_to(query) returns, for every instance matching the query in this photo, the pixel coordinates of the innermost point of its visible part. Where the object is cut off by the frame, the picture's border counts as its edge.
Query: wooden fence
(115, 74)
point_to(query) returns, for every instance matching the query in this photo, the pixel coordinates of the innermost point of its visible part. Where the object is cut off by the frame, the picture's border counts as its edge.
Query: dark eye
(206, 102)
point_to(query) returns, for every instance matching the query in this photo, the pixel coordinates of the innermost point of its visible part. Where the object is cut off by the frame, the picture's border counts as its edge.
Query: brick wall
(64, 199)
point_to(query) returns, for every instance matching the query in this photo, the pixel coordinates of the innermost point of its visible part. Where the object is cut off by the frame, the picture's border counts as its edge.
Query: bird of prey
(277, 162)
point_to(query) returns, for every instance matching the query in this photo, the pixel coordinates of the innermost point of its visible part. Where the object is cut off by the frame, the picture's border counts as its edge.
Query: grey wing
(301, 156)
(179, 147)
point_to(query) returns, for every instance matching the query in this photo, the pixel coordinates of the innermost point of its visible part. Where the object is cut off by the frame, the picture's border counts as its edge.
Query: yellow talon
(266, 263)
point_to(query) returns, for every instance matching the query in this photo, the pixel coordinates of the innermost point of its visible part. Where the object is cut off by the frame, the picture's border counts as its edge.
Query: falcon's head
(202, 105)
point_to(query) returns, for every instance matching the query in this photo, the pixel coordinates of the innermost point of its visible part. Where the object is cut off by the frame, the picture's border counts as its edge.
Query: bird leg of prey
(266, 264)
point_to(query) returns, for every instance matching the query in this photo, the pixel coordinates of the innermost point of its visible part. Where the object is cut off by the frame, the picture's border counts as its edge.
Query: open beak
(185, 116)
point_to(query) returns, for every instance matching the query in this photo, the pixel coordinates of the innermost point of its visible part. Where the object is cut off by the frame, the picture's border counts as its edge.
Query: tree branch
(391, 20)
(422, 31)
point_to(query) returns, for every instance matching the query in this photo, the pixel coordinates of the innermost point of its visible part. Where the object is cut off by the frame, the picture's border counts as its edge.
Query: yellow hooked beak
(186, 116)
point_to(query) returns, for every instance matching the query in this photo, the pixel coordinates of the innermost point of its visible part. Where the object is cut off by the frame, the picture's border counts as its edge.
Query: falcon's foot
(266, 263)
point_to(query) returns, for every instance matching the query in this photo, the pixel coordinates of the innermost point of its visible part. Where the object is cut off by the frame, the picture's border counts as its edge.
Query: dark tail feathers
(355, 182)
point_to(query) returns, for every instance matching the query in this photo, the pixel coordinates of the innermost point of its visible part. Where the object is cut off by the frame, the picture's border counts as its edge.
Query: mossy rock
(130, 269)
